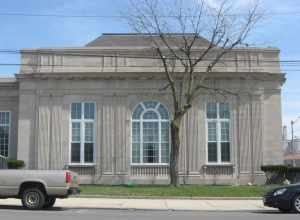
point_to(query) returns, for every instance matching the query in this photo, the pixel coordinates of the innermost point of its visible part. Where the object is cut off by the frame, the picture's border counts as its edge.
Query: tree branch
(170, 79)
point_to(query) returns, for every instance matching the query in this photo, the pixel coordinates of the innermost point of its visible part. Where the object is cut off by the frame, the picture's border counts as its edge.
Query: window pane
(75, 152)
(150, 132)
(150, 115)
(135, 153)
(4, 118)
(224, 131)
(89, 110)
(224, 110)
(75, 131)
(150, 152)
(89, 132)
(211, 110)
(225, 151)
(212, 152)
(165, 132)
(76, 111)
(137, 112)
(163, 112)
(150, 104)
(212, 131)
(88, 152)
(4, 137)
(165, 153)
(135, 132)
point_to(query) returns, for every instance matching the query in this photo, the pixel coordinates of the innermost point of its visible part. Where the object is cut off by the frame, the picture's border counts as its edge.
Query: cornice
(135, 49)
(9, 85)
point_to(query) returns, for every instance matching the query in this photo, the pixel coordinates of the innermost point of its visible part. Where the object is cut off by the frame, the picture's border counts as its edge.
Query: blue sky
(280, 31)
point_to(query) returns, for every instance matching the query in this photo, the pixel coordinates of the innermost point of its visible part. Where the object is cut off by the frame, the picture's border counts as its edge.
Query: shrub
(15, 164)
(278, 174)
(294, 174)
(275, 168)
(294, 169)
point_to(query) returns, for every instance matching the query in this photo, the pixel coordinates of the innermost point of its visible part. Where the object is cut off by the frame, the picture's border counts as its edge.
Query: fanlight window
(150, 134)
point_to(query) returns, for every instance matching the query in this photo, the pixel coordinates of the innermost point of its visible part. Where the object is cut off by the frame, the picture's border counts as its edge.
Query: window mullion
(218, 134)
(94, 135)
(8, 141)
(141, 141)
(159, 141)
(82, 134)
(219, 141)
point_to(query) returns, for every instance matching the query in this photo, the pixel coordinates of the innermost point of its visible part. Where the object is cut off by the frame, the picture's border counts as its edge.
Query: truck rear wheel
(49, 202)
(33, 198)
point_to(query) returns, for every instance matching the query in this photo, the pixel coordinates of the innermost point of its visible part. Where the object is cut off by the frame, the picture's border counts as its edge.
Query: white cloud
(213, 3)
(236, 3)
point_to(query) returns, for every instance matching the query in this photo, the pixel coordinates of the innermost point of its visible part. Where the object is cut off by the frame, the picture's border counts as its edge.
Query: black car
(286, 198)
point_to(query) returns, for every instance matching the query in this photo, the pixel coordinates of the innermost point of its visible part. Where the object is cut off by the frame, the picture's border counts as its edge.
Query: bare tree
(190, 38)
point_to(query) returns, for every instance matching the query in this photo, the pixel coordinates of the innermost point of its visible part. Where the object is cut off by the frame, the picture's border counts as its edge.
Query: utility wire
(96, 16)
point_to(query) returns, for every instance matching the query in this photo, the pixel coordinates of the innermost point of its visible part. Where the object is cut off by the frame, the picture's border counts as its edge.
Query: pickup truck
(38, 189)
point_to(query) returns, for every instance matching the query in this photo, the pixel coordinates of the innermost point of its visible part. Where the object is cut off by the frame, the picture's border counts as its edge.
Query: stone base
(122, 179)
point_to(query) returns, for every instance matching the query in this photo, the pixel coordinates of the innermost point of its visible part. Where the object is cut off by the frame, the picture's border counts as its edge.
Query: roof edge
(8, 79)
(24, 50)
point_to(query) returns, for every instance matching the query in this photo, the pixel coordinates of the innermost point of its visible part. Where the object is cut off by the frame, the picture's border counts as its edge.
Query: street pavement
(15, 212)
(154, 204)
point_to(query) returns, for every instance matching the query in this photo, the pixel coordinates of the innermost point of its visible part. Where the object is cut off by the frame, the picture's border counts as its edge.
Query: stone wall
(45, 124)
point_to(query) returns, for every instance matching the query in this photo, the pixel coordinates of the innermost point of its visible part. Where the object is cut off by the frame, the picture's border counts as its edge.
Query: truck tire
(33, 198)
(49, 202)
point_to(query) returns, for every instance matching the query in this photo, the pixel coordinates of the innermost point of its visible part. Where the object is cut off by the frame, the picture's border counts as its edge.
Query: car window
(3, 164)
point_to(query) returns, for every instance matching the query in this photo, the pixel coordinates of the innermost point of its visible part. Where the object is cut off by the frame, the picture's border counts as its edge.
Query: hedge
(275, 168)
(278, 174)
(15, 164)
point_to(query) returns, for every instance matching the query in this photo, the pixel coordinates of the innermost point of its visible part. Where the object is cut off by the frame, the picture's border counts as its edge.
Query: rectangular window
(136, 142)
(212, 141)
(151, 142)
(4, 133)
(165, 136)
(82, 129)
(218, 132)
(211, 110)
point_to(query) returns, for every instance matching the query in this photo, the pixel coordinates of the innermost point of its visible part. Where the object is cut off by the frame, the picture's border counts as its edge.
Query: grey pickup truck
(38, 189)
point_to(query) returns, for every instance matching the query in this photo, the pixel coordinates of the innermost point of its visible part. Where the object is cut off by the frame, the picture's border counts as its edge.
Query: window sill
(218, 165)
(149, 165)
(81, 165)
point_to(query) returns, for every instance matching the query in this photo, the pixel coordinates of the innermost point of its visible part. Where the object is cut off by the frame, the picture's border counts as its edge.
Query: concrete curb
(152, 204)
(173, 210)
(170, 197)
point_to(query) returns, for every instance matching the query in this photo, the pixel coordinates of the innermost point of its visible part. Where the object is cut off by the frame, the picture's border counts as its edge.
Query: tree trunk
(175, 145)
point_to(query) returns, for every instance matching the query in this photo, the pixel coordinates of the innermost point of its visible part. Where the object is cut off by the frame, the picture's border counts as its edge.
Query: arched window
(150, 134)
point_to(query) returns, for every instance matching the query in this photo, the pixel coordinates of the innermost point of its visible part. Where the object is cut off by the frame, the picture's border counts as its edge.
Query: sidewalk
(154, 204)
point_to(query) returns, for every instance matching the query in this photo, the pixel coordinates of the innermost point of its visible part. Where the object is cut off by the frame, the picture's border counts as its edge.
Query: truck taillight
(68, 177)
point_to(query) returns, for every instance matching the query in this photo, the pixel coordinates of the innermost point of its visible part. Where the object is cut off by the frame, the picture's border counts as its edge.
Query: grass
(182, 191)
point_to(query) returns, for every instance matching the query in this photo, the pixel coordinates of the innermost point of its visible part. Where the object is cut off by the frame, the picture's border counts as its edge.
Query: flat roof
(7, 79)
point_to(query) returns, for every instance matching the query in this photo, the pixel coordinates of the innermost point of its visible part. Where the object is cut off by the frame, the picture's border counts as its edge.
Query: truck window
(3, 164)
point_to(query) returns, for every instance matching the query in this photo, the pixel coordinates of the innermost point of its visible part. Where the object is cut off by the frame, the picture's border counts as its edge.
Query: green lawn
(182, 191)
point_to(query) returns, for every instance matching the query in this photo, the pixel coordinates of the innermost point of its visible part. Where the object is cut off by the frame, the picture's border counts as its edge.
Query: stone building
(99, 110)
